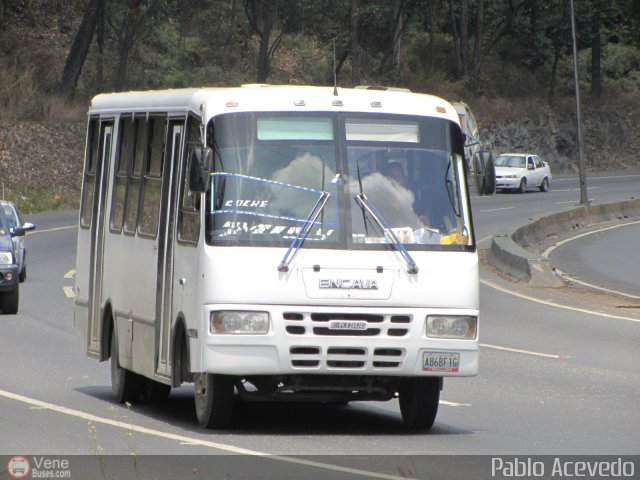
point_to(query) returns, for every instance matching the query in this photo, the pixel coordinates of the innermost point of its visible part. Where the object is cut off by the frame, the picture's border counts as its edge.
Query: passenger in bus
(395, 172)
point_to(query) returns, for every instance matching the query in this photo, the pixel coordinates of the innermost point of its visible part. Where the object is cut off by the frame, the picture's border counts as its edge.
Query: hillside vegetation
(509, 60)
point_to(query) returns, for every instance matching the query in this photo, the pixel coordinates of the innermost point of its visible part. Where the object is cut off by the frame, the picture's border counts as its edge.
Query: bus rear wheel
(213, 397)
(419, 400)
(126, 385)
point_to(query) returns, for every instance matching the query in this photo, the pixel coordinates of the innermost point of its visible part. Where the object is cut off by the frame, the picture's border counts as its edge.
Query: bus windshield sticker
(376, 130)
(295, 128)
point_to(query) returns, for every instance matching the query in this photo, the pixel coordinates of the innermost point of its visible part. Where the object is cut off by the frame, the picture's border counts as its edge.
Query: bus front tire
(213, 395)
(125, 385)
(419, 400)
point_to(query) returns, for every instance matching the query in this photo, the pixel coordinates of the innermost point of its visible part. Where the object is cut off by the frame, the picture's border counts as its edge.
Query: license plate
(440, 362)
(347, 325)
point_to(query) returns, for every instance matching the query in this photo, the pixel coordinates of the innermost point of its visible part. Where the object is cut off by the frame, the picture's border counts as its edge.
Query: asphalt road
(557, 376)
(607, 258)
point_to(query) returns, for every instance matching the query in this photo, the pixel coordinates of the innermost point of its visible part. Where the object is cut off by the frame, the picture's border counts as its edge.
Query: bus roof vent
(383, 88)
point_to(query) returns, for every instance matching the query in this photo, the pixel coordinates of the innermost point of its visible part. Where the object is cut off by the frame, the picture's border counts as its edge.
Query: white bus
(277, 243)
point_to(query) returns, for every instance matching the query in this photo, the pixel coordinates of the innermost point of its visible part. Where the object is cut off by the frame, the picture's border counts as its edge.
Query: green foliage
(621, 67)
(180, 43)
(45, 200)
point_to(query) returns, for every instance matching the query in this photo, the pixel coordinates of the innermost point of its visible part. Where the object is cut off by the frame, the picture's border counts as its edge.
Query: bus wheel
(214, 399)
(419, 399)
(126, 385)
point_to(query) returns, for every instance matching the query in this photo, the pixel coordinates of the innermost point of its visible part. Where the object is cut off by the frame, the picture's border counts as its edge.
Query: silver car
(519, 171)
(14, 220)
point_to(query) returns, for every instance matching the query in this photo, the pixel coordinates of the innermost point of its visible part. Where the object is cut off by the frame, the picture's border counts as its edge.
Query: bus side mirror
(485, 172)
(201, 165)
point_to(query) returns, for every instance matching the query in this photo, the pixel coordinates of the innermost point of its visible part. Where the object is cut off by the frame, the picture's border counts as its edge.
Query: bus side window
(133, 197)
(189, 214)
(152, 178)
(124, 156)
(88, 185)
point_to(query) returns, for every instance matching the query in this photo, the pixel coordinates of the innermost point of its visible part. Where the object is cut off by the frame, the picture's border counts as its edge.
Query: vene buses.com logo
(18, 467)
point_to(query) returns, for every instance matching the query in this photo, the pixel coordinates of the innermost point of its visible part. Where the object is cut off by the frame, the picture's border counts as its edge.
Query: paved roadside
(567, 295)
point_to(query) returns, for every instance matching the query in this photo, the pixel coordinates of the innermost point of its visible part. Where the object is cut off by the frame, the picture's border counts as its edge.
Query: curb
(508, 251)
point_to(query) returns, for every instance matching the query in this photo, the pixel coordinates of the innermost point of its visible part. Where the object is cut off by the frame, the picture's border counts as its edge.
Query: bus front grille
(346, 324)
(340, 358)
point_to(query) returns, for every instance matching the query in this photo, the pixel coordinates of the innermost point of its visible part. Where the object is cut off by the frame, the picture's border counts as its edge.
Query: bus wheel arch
(126, 385)
(107, 327)
(181, 365)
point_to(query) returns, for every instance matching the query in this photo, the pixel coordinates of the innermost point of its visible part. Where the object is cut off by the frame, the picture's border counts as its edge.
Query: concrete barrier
(509, 252)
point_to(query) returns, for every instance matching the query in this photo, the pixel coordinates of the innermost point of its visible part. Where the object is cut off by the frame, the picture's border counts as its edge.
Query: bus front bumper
(395, 344)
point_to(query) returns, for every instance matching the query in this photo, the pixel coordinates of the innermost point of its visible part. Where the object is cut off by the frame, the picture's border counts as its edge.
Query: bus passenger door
(166, 239)
(97, 235)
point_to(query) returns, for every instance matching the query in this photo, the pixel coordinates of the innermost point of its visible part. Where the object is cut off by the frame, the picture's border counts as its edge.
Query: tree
(596, 49)
(80, 48)
(469, 63)
(399, 23)
(558, 33)
(130, 20)
(264, 17)
(355, 45)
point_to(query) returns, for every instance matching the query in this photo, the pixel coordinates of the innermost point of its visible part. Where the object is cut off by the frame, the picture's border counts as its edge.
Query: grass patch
(45, 201)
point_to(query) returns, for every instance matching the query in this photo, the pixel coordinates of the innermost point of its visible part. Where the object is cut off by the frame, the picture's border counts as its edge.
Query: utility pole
(581, 162)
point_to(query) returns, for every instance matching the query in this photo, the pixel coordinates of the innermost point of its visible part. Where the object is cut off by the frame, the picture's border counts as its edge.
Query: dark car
(9, 271)
(13, 218)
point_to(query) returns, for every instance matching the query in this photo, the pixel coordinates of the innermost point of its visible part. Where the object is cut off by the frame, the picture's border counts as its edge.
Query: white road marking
(581, 235)
(70, 274)
(554, 304)
(573, 190)
(56, 229)
(192, 441)
(454, 404)
(68, 291)
(596, 287)
(497, 209)
(549, 250)
(485, 239)
(526, 352)
(596, 178)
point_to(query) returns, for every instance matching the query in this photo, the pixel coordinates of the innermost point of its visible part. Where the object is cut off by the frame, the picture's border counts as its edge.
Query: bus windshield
(361, 181)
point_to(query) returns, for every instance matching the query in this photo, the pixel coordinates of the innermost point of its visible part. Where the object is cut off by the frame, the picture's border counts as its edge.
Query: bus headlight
(6, 258)
(238, 322)
(452, 326)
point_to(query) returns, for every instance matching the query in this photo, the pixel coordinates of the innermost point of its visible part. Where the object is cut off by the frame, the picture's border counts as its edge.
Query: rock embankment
(611, 139)
(38, 157)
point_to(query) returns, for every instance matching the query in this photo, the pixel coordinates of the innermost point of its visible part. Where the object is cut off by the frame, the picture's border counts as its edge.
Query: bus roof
(211, 101)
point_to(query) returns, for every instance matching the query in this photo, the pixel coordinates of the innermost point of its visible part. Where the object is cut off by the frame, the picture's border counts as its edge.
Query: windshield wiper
(365, 205)
(301, 236)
